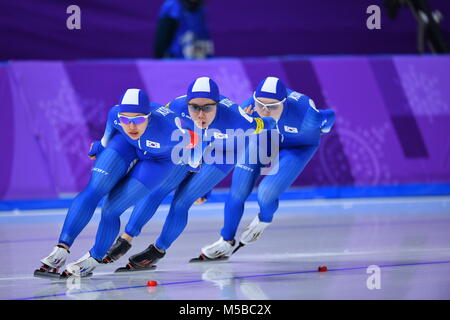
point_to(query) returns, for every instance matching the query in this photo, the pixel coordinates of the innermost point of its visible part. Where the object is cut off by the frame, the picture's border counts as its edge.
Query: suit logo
(227, 102)
(295, 95)
(100, 171)
(219, 135)
(152, 144)
(164, 111)
(290, 129)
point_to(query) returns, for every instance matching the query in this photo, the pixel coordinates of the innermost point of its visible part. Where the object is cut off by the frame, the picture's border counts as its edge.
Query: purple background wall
(31, 29)
(392, 115)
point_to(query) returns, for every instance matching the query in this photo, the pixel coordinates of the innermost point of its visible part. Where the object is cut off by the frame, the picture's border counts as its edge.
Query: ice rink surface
(407, 238)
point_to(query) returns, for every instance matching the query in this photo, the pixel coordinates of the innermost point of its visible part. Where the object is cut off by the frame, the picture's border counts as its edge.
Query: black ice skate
(119, 249)
(143, 261)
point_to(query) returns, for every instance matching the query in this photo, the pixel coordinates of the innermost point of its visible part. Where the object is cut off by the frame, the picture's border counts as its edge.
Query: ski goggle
(136, 120)
(268, 106)
(205, 108)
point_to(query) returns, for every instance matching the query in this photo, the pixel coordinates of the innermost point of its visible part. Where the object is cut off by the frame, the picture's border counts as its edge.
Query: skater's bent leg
(147, 207)
(189, 191)
(127, 192)
(291, 164)
(146, 177)
(243, 180)
(109, 168)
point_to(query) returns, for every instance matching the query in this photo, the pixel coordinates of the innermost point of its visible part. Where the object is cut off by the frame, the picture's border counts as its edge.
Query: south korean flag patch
(152, 144)
(219, 135)
(290, 129)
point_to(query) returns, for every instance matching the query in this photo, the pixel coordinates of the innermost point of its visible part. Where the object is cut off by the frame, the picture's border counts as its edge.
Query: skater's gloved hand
(200, 200)
(203, 199)
(96, 149)
(249, 109)
(328, 118)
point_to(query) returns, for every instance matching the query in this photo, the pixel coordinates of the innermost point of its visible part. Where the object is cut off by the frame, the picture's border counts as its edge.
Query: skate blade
(46, 274)
(66, 275)
(107, 260)
(128, 269)
(238, 247)
(203, 258)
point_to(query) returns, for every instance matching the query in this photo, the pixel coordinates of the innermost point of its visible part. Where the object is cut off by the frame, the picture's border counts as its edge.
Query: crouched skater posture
(300, 125)
(216, 119)
(136, 130)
